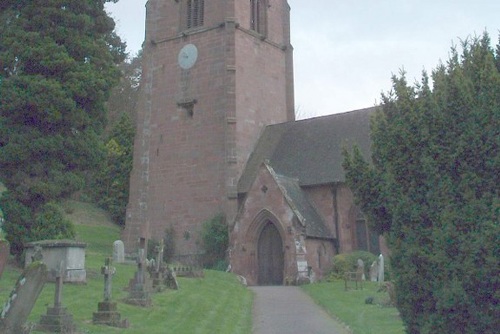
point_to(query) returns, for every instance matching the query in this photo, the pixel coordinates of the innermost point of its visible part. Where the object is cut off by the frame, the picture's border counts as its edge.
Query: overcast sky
(345, 51)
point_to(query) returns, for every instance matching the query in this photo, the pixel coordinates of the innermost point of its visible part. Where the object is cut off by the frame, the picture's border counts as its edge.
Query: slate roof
(303, 209)
(309, 150)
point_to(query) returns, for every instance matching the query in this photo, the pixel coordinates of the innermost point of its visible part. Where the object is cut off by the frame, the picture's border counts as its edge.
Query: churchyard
(215, 303)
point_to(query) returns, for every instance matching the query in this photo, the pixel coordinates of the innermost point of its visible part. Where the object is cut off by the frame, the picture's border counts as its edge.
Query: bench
(353, 276)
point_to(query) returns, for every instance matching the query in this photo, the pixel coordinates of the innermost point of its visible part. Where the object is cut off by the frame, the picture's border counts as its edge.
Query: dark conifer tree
(57, 66)
(432, 188)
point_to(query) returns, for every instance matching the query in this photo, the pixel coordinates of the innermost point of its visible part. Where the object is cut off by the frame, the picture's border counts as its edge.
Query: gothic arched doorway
(270, 255)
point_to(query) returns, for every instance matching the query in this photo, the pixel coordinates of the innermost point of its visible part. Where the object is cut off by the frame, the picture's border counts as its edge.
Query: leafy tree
(215, 238)
(433, 188)
(57, 67)
(125, 95)
(111, 186)
(112, 181)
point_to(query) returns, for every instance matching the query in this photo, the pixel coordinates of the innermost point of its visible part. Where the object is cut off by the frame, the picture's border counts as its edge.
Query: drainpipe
(336, 218)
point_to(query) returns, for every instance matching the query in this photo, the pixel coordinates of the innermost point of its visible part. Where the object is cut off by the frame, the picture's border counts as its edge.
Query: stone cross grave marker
(107, 313)
(157, 274)
(159, 255)
(57, 319)
(108, 271)
(139, 287)
(59, 285)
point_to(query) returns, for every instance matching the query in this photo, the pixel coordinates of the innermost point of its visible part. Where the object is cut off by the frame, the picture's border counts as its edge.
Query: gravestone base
(57, 320)
(107, 314)
(139, 296)
(157, 279)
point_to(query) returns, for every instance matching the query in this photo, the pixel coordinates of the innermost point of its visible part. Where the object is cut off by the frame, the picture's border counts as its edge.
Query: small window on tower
(258, 18)
(195, 9)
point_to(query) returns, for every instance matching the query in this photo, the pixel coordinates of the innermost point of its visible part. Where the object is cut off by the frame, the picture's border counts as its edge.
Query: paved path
(287, 309)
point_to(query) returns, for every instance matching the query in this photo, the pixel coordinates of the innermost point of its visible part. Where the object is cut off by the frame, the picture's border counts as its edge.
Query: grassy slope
(214, 304)
(349, 306)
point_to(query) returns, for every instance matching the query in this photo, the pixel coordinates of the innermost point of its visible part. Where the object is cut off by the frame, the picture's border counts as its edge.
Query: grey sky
(345, 51)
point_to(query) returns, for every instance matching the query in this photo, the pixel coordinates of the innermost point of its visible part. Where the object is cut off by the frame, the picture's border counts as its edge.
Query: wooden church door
(270, 256)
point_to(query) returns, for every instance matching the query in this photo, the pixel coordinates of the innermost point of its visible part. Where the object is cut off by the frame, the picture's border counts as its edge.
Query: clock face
(187, 56)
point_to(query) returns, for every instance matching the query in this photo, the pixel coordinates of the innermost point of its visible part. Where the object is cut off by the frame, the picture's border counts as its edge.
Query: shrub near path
(350, 307)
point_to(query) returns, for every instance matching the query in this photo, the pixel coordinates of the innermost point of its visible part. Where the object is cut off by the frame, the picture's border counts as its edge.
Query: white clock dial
(187, 56)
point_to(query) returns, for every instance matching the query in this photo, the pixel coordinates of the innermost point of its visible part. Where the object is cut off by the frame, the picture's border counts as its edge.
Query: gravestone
(361, 269)
(140, 286)
(381, 268)
(57, 319)
(118, 252)
(22, 299)
(156, 272)
(170, 279)
(374, 271)
(107, 313)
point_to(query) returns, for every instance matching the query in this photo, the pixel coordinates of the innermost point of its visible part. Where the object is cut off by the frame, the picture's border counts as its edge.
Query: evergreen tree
(433, 188)
(112, 181)
(111, 186)
(57, 67)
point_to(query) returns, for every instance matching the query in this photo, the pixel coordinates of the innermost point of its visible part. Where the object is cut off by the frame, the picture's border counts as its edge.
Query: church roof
(302, 208)
(310, 150)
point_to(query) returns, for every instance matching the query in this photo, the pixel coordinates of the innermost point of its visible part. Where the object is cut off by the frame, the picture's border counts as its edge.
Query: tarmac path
(287, 309)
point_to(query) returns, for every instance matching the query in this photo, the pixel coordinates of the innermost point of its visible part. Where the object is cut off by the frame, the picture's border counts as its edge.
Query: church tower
(215, 73)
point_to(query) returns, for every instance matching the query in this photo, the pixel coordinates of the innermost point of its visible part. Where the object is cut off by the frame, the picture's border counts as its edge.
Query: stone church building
(217, 134)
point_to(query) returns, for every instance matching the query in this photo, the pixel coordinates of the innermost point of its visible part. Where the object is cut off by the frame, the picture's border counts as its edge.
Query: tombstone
(140, 286)
(71, 252)
(374, 271)
(361, 269)
(16, 310)
(170, 279)
(118, 252)
(381, 268)
(57, 319)
(107, 313)
(156, 266)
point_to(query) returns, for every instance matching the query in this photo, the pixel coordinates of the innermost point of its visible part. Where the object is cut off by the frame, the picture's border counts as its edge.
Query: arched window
(195, 9)
(258, 17)
(366, 239)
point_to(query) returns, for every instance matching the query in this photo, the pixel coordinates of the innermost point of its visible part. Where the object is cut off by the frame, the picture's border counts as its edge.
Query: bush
(50, 224)
(215, 238)
(349, 262)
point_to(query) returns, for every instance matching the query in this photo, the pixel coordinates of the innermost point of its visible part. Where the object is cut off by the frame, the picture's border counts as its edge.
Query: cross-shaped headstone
(108, 271)
(141, 256)
(159, 255)
(59, 285)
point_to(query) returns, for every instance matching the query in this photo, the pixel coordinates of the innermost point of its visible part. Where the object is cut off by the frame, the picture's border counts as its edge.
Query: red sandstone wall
(246, 231)
(186, 166)
(319, 257)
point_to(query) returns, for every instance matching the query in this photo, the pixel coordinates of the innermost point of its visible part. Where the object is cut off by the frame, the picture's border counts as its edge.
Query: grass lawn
(350, 307)
(217, 303)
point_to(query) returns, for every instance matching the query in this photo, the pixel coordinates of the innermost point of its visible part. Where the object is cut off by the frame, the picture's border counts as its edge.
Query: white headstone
(361, 269)
(374, 271)
(118, 252)
(381, 268)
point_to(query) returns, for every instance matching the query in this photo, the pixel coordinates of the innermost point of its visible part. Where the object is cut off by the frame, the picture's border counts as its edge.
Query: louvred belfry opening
(195, 11)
